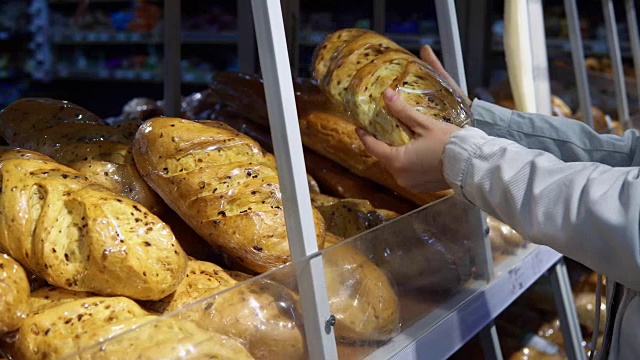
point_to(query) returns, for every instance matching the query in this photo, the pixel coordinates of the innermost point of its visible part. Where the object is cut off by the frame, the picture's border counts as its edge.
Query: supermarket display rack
(274, 60)
(442, 331)
(459, 319)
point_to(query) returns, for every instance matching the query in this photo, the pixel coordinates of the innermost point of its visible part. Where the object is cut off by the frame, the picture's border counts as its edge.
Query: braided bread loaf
(78, 235)
(75, 137)
(223, 184)
(355, 66)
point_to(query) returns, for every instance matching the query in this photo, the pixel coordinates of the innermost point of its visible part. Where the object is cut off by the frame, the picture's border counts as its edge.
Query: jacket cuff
(458, 153)
(491, 118)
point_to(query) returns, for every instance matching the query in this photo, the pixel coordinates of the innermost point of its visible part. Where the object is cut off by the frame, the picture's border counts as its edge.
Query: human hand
(428, 56)
(416, 166)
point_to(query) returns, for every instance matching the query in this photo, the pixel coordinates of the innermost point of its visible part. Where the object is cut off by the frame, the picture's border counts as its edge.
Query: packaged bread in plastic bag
(355, 66)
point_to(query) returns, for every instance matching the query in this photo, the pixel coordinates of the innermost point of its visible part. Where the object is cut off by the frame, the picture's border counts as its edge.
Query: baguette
(354, 67)
(78, 235)
(223, 184)
(14, 294)
(75, 137)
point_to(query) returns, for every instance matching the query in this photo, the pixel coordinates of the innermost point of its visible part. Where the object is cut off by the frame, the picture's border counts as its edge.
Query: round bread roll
(14, 294)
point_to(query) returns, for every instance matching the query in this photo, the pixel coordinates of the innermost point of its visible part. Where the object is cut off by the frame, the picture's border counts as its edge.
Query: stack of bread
(105, 226)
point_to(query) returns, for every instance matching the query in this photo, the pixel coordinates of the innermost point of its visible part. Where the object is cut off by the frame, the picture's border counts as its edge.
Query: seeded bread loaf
(239, 312)
(14, 294)
(354, 67)
(349, 217)
(75, 137)
(72, 327)
(223, 184)
(78, 235)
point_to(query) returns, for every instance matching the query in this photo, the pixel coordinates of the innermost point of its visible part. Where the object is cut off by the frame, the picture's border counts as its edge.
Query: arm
(568, 140)
(589, 212)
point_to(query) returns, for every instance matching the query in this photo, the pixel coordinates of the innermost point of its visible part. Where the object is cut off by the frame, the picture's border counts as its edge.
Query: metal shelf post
(285, 132)
(171, 62)
(452, 53)
(379, 16)
(577, 55)
(569, 324)
(634, 38)
(616, 63)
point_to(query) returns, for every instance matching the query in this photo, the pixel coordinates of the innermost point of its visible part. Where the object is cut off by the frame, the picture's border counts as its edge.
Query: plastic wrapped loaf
(355, 66)
(223, 185)
(75, 325)
(78, 235)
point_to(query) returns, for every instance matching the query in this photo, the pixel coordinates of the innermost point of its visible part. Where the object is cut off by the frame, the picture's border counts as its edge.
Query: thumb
(427, 55)
(401, 110)
(379, 149)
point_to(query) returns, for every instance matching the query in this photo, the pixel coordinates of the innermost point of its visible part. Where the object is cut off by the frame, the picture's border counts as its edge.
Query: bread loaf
(14, 294)
(70, 328)
(349, 217)
(74, 137)
(263, 315)
(334, 137)
(361, 296)
(332, 178)
(80, 236)
(354, 67)
(223, 184)
(324, 129)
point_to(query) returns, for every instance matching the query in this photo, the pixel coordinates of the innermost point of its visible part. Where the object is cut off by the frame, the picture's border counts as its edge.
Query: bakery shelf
(70, 37)
(129, 75)
(482, 303)
(379, 283)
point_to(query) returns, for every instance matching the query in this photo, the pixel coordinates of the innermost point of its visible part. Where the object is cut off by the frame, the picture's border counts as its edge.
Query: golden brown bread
(202, 280)
(560, 108)
(258, 304)
(324, 129)
(80, 236)
(599, 122)
(238, 312)
(332, 178)
(14, 294)
(223, 184)
(74, 137)
(71, 326)
(361, 297)
(334, 137)
(354, 67)
(349, 217)
(51, 296)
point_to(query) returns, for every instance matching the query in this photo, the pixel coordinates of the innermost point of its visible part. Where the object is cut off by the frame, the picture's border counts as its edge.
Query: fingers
(379, 149)
(427, 55)
(403, 111)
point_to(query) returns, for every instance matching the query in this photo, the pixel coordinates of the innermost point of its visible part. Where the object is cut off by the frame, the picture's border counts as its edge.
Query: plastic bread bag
(261, 314)
(116, 328)
(354, 67)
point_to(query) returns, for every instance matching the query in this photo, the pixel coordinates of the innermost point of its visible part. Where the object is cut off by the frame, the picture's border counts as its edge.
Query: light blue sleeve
(567, 139)
(585, 210)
